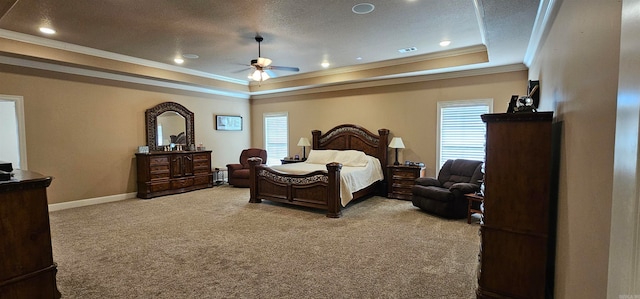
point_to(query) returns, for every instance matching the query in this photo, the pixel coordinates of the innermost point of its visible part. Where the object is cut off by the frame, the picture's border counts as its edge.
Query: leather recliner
(239, 173)
(444, 196)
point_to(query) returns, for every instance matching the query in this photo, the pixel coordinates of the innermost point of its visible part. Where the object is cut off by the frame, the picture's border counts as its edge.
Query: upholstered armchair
(239, 173)
(444, 196)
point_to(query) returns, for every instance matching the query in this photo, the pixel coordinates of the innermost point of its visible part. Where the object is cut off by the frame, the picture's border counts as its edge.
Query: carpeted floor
(213, 243)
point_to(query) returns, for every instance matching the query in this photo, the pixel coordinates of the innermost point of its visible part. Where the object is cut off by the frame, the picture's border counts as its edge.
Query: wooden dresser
(27, 269)
(518, 228)
(164, 173)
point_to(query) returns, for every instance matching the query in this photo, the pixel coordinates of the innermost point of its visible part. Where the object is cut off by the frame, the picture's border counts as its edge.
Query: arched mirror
(168, 123)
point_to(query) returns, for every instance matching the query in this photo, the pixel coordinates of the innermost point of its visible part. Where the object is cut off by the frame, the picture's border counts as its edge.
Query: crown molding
(416, 59)
(120, 77)
(54, 44)
(387, 81)
(419, 68)
(547, 11)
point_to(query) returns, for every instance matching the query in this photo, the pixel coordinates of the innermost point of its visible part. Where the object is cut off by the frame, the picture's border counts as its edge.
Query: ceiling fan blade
(242, 70)
(285, 68)
(271, 73)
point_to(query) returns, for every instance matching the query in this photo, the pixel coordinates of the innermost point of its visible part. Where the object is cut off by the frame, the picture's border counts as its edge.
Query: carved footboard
(318, 189)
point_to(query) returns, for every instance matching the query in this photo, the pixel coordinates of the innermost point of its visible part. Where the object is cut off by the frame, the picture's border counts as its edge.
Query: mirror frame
(151, 117)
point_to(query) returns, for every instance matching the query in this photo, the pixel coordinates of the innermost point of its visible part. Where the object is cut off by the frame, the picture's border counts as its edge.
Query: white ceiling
(299, 33)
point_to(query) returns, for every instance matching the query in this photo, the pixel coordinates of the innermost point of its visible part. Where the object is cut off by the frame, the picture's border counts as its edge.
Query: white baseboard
(90, 201)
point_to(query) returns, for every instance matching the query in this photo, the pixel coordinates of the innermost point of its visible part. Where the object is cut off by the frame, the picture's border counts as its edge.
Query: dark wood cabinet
(164, 173)
(401, 179)
(27, 269)
(517, 231)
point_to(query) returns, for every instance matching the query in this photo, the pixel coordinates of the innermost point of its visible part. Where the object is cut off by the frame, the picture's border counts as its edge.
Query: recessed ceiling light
(190, 56)
(363, 8)
(358, 58)
(178, 60)
(445, 43)
(47, 30)
(325, 64)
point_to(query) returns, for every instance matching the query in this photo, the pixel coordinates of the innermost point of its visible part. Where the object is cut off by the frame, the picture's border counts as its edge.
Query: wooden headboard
(354, 137)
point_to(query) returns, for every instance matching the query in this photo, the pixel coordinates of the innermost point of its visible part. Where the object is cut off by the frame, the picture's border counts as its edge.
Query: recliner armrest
(232, 167)
(427, 182)
(464, 188)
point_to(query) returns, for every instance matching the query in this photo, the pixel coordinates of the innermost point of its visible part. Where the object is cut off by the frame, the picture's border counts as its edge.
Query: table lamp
(304, 142)
(396, 143)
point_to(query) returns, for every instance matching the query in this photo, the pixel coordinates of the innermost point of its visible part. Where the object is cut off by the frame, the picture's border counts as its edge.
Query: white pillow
(352, 158)
(346, 158)
(321, 156)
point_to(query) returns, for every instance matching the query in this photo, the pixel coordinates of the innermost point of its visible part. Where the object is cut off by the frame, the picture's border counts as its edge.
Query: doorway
(12, 131)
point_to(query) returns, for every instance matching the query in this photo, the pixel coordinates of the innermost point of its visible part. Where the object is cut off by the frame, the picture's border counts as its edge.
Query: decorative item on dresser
(166, 168)
(518, 228)
(27, 269)
(401, 178)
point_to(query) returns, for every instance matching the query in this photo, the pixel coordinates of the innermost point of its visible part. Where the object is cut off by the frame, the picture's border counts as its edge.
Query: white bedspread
(352, 178)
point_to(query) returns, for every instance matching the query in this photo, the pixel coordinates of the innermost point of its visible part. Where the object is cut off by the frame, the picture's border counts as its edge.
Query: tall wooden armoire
(27, 269)
(518, 228)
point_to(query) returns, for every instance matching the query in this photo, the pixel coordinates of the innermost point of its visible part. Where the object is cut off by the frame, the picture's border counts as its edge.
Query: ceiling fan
(261, 67)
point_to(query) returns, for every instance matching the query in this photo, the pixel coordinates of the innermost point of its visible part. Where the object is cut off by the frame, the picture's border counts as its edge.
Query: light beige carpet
(213, 243)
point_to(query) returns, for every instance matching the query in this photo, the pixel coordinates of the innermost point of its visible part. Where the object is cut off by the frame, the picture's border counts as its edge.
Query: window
(276, 136)
(461, 130)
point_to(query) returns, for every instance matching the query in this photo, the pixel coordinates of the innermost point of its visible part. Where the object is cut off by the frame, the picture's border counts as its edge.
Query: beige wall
(84, 132)
(407, 110)
(578, 71)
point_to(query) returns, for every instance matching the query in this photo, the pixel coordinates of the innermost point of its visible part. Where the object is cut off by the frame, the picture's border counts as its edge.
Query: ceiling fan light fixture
(259, 75)
(263, 62)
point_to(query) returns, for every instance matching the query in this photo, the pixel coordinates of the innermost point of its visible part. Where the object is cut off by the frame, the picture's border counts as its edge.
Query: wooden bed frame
(319, 189)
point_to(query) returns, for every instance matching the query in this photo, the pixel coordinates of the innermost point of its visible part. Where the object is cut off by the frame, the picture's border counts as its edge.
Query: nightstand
(401, 179)
(288, 161)
(474, 208)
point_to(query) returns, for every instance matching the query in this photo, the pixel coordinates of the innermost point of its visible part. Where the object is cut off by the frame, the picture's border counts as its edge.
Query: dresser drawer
(160, 175)
(161, 186)
(404, 190)
(404, 174)
(177, 184)
(159, 160)
(201, 157)
(201, 166)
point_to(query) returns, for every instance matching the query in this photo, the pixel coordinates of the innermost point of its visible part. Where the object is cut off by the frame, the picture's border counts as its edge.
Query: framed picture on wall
(228, 123)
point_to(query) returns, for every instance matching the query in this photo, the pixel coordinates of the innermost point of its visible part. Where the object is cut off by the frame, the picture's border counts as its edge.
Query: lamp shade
(304, 142)
(396, 142)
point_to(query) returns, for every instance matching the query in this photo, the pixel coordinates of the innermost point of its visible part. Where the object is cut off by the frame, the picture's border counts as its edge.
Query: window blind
(462, 132)
(276, 136)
